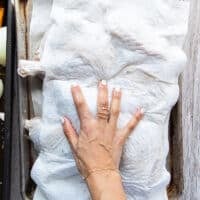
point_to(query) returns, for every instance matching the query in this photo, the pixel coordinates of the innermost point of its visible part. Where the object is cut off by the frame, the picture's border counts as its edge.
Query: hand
(99, 144)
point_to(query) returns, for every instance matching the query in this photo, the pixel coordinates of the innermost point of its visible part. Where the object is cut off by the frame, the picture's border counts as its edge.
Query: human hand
(99, 144)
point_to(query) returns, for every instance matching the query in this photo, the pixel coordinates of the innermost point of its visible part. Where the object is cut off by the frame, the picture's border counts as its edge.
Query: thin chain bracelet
(99, 170)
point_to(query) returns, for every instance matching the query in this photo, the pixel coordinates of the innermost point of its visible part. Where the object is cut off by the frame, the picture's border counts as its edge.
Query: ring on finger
(103, 112)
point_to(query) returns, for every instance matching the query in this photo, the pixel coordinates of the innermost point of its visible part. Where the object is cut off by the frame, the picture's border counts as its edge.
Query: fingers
(80, 103)
(70, 133)
(102, 103)
(133, 122)
(115, 107)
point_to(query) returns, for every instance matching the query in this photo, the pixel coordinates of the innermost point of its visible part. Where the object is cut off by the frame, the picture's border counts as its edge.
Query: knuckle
(84, 126)
(121, 141)
(85, 117)
(117, 97)
(103, 115)
(80, 103)
(68, 136)
(65, 129)
(103, 104)
(131, 126)
(137, 118)
(87, 124)
(103, 110)
(115, 111)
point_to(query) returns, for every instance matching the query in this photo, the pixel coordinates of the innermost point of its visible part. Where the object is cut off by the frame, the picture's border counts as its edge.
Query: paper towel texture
(134, 44)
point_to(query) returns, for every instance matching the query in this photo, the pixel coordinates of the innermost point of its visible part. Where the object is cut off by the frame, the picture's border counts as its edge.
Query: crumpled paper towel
(134, 44)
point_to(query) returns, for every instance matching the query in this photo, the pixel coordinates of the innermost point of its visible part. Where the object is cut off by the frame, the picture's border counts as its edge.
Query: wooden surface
(185, 124)
(20, 146)
(189, 115)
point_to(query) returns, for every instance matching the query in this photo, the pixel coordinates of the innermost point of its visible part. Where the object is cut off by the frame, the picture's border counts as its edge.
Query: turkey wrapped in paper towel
(134, 44)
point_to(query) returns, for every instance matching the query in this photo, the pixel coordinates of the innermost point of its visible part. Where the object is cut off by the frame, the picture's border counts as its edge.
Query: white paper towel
(134, 44)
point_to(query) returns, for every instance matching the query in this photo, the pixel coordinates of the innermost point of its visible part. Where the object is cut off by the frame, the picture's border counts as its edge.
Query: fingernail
(103, 82)
(117, 89)
(62, 120)
(74, 84)
(142, 110)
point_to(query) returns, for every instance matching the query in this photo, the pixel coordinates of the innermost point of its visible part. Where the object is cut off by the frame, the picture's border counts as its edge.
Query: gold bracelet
(100, 170)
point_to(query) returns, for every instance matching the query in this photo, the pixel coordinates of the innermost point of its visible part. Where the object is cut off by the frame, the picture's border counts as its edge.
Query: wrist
(104, 184)
(102, 175)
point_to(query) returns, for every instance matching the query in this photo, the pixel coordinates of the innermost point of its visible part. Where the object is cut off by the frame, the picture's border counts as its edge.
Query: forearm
(106, 185)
